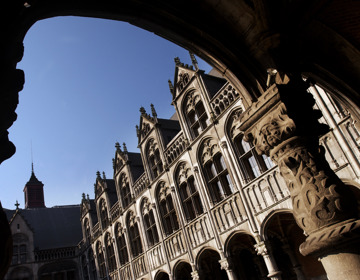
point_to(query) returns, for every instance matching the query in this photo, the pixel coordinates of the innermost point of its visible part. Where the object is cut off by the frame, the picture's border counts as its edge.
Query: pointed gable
(183, 75)
(147, 123)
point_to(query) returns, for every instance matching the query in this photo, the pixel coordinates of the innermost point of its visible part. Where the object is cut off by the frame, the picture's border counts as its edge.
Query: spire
(98, 175)
(125, 148)
(142, 110)
(34, 192)
(153, 112)
(104, 177)
(194, 61)
(117, 146)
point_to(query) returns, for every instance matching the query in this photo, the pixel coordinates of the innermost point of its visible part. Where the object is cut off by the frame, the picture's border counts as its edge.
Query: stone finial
(104, 177)
(98, 175)
(142, 110)
(153, 112)
(117, 146)
(177, 61)
(125, 148)
(113, 163)
(194, 61)
(87, 197)
(83, 196)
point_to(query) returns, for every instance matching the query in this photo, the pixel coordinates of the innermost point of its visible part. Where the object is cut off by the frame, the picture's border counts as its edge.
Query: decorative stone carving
(274, 125)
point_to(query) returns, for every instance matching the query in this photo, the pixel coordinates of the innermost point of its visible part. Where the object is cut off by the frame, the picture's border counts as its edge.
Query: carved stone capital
(284, 125)
(261, 248)
(195, 275)
(225, 264)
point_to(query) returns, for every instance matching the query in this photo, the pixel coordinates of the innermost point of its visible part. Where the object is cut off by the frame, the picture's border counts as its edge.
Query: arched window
(252, 165)
(134, 235)
(103, 214)
(110, 253)
(195, 113)
(87, 230)
(20, 241)
(92, 264)
(218, 179)
(124, 191)
(101, 260)
(188, 192)
(121, 244)
(149, 223)
(155, 162)
(167, 210)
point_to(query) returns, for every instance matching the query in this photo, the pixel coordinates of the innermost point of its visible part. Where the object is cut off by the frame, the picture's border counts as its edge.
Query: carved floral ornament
(120, 230)
(164, 191)
(191, 100)
(152, 146)
(183, 80)
(235, 123)
(147, 206)
(184, 172)
(209, 149)
(132, 219)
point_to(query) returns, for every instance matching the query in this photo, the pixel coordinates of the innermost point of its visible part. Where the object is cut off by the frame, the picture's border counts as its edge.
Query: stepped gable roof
(213, 84)
(55, 227)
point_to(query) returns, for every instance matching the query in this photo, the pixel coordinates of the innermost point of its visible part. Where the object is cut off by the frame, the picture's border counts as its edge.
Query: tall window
(252, 164)
(92, 264)
(87, 230)
(125, 191)
(149, 223)
(121, 244)
(134, 235)
(188, 192)
(167, 210)
(101, 260)
(103, 214)
(218, 179)
(195, 113)
(19, 254)
(110, 253)
(155, 162)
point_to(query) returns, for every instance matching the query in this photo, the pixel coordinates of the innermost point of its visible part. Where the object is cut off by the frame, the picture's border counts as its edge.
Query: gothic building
(45, 240)
(199, 201)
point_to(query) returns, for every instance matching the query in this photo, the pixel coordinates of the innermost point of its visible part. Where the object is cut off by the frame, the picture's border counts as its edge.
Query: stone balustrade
(221, 101)
(140, 184)
(199, 231)
(175, 148)
(175, 245)
(139, 266)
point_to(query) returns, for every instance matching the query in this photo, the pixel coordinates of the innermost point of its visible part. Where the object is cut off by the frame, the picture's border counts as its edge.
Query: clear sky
(85, 80)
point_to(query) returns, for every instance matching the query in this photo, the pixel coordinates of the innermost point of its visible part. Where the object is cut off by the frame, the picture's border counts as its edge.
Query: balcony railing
(221, 101)
(175, 245)
(229, 213)
(139, 266)
(115, 211)
(140, 184)
(267, 190)
(96, 231)
(175, 148)
(114, 275)
(156, 257)
(199, 231)
(125, 272)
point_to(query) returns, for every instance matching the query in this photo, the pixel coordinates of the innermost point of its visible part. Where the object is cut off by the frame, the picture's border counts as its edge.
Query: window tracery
(252, 165)
(167, 211)
(124, 191)
(218, 179)
(121, 244)
(183, 80)
(101, 260)
(134, 235)
(149, 223)
(103, 214)
(195, 113)
(189, 194)
(155, 162)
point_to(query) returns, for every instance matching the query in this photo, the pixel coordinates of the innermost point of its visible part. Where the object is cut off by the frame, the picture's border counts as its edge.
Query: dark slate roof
(33, 180)
(111, 191)
(93, 214)
(55, 227)
(169, 129)
(213, 84)
(136, 165)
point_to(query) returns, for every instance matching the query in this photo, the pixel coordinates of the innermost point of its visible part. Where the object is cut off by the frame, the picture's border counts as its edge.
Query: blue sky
(85, 80)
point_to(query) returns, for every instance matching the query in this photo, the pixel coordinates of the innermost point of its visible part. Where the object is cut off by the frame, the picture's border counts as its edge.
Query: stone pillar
(283, 125)
(195, 274)
(226, 265)
(261, 249)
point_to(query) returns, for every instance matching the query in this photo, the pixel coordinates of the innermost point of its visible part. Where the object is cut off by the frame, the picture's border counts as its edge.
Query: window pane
(254, 166)
(246, 146)
(268, 161)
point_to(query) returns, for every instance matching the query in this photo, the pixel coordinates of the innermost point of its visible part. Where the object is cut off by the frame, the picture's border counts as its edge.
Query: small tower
(34, 192)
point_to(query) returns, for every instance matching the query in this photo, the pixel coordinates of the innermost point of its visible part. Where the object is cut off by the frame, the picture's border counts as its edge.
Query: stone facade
(208, 198)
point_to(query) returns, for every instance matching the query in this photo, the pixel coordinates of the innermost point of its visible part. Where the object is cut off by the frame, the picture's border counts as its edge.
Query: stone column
(195, 274)
(261, 249)
(226, 264)
(283, 125)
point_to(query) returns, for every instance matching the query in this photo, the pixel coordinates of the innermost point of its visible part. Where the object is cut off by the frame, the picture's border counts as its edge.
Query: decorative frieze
(224, 99)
